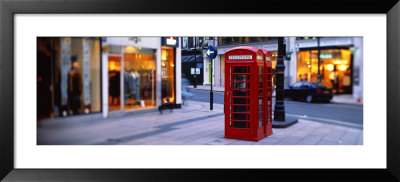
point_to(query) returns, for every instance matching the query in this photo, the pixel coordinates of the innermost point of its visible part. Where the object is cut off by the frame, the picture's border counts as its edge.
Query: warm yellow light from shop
(130, 49)
(342, 67)
(340, 62)
(329, 67)
(164, 55)
(112, 66)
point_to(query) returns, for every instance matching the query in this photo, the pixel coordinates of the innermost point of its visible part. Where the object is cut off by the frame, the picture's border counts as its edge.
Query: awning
(190, 58)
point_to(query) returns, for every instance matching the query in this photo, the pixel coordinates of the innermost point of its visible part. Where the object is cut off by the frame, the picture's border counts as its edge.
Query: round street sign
(211, 52)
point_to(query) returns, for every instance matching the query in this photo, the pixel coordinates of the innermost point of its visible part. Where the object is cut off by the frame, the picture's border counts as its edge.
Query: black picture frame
(9, 8)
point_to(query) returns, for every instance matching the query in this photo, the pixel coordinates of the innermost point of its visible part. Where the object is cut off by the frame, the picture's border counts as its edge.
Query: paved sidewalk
(342, 99)
(194, 124)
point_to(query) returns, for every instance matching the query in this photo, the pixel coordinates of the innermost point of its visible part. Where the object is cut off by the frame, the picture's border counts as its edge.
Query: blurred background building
(340, 61)
(109, 74)
(83, 75)
(193, 58)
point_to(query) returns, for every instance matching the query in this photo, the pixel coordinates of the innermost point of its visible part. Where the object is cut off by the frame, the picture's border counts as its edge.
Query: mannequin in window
(126, 85)
(74, 86)
(347, 81)
(134, 84)
(137, 86)
(334, 77)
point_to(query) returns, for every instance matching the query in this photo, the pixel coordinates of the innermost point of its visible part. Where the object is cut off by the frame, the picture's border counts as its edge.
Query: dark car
(308, 92)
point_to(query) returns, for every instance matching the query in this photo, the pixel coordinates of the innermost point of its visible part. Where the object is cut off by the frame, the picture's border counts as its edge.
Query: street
(343, 114)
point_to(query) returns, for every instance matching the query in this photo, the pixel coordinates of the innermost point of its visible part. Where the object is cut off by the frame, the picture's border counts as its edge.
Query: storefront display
(134, 74)
(139, 78)
(168, 75)
(72, 76)
(335, 68)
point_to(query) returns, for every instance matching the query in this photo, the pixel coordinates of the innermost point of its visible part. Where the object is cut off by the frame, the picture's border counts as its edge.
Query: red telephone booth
(268, 94)
(245, 98)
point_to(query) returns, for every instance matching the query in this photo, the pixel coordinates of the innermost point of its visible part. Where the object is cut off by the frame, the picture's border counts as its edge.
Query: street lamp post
(279, 112)
(319, 62)
(195, 63)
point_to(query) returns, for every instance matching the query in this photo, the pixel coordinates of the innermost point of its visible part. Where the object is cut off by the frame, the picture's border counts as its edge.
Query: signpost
(211, 53)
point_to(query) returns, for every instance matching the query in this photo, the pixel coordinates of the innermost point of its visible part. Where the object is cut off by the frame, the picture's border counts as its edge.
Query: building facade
(340, 60)
(193, 67)
(107, 74)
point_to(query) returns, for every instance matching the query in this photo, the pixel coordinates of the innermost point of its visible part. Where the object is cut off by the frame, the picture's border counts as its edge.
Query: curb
(346, 103)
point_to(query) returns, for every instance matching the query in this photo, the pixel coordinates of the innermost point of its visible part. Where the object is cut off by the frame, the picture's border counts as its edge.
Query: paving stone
(301, 133)
(204, 140)
(323, 130)
(279, 135)
(268, 141)
(310, 140)
(349, 138)
(242, 142)
(223, 141)
(290, 140)
(335, 134)
(327, 142)
(360, 139)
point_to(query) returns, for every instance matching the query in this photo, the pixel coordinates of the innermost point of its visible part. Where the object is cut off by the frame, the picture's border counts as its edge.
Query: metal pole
(279, 112)
(319, 63)
(211, 91)
(195, 64)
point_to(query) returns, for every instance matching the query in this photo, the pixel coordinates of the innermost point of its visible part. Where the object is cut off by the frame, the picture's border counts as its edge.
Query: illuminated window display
(167, 75)
(335, 68)
(132, 78)
(68, 76)
(139, 78)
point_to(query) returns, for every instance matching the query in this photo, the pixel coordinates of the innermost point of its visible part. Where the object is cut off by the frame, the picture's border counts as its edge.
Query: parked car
(309, 92)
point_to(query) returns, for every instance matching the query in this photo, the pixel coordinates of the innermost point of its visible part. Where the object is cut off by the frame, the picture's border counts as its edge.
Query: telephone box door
(238, 97)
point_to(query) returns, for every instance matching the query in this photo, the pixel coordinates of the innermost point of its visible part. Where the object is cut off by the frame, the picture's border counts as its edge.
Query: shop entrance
(114, 82)
(168, 75)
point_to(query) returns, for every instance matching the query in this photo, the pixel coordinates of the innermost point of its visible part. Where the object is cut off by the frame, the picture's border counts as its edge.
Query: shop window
(139, 78)
(71, 67)
(335, 68)
(168, 75)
